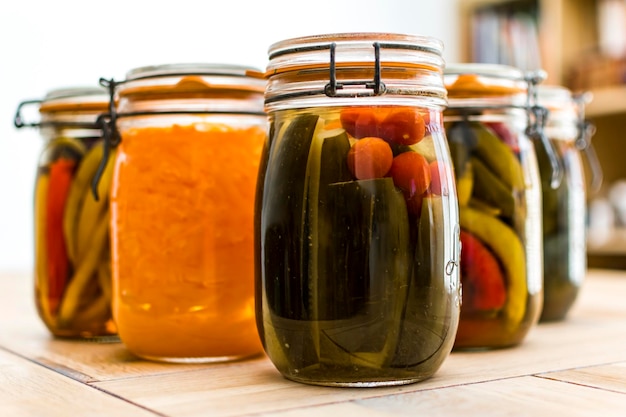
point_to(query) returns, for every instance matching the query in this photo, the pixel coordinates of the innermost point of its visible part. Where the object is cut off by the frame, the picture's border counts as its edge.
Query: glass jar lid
(475, 80)
(191, 78)
(191, 87)
(563, 107)
(344, 66)
(489, 85)
(73, 112)
(75, 99)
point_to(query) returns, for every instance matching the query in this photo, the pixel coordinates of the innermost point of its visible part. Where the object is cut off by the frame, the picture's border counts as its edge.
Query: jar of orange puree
(189, 139)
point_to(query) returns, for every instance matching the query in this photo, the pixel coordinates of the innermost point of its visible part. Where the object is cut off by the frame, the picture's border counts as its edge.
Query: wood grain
(28, 389)
(510, 397)
(611, 377)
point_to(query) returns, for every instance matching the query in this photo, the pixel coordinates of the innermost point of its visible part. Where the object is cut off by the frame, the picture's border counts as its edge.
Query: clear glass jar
(564, 207)
(72, 249)
(183, 211)
(357, 216)
(499, 192)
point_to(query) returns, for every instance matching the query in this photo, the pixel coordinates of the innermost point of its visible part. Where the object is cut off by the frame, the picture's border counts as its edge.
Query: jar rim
(355, 50)
(168, 70)
(485, 70)
(75, 98)
(553, 92)
(427, 43)
(74, 92)
(186, 80)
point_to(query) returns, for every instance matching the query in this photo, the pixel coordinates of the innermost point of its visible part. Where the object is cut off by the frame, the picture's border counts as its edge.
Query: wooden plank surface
(29, 389)
(21, 331)
(508, 397)
(611, 377)
(592, 338)
(229, 390)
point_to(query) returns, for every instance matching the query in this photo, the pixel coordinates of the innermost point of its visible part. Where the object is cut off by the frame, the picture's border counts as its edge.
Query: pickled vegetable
(370, 158)
(72, 260)
(496, 309)
(563, 231)
(350, 278)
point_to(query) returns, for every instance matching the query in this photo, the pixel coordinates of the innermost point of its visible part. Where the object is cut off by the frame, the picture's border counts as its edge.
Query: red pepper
(484, 287)
(61, 174)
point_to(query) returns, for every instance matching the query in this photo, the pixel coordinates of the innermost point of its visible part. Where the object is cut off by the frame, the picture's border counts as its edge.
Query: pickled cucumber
(337, 278)
(425, 327)
(362, 289)
(283, 209)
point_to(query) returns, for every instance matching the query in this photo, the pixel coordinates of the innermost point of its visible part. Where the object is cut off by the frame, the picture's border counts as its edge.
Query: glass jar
(499, 193)
(564, 207)
(183, 211)
(72, 249)
(357, 216)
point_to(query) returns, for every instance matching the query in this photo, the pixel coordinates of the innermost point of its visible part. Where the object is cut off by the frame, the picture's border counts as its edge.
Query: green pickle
(351, 282)
(563, 231)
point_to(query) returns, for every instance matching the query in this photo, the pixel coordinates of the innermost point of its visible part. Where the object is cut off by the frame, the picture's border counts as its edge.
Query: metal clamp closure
(376, 85)
(586, 130)
(18, 119)
(110, 134)
(536, 125)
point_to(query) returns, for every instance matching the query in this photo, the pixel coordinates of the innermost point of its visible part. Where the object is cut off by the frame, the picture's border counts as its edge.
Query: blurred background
(49, 44)
(45, 45)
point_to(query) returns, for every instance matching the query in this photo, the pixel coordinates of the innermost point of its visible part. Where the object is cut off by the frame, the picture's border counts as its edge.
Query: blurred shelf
(614, 261)
(607, 249)
(606, 101)
(607, 243)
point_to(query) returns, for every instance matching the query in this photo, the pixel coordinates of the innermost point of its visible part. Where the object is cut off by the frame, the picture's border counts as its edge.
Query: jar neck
(78, 125)
(566, 129)
(564, 114)
(214, 102)
(516, 118)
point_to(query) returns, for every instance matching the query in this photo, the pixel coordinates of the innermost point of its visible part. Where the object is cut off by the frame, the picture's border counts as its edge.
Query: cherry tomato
(403, 126)
(435, 175)
(359, 122)
(411, 173)
(370, 158)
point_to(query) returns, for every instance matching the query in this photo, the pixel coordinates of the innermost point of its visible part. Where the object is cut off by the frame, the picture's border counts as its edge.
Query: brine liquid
(351, 278)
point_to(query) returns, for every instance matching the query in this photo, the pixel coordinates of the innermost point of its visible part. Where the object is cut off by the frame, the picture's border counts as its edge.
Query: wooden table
(573, 368)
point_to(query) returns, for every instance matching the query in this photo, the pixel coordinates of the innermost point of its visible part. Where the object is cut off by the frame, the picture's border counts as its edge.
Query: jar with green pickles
(72, 260)
(357, 216)
(564, 206)
(499, 190)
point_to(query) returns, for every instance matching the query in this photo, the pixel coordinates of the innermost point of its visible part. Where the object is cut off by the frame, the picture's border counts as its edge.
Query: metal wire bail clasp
(586, 130)
(536, 126)
(111, 136)
(377, 86)
(18, 120)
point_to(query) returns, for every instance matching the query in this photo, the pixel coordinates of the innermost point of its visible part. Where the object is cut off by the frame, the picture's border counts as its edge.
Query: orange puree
(182, 227)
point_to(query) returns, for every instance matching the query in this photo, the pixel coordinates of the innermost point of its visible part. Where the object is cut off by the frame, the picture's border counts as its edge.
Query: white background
(47, 44)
